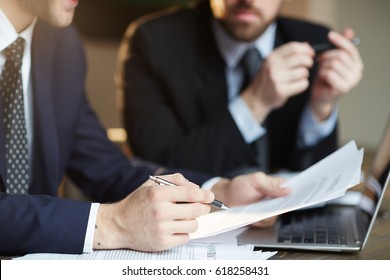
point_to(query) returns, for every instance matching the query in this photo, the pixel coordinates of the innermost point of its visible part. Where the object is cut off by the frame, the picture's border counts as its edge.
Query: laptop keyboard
(321, 226)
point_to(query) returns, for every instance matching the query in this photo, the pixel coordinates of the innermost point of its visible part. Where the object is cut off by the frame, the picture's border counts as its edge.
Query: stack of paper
(200, 251)
(328, 179)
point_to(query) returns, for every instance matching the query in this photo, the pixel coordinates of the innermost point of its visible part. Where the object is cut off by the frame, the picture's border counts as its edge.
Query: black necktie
(16, 146)
(251, 63)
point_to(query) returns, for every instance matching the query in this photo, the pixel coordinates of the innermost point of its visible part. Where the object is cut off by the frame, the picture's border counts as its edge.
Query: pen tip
(224, 207)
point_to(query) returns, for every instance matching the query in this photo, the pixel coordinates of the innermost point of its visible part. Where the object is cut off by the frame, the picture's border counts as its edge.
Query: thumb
(349, 33)
(276, 189)
(270, 186)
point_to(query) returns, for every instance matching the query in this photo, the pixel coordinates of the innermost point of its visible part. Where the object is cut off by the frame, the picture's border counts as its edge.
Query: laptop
(343, 225)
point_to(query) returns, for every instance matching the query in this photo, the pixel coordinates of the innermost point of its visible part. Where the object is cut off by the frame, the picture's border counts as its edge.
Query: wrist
(107, 233)
(322, 111)
(259, 110)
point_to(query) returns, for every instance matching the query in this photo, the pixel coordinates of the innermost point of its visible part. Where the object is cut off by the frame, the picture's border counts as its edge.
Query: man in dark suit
(183, 79)
(58, 133)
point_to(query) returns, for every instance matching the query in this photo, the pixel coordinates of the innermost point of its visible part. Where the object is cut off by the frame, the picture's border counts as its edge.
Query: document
(227, 251)
(328, 179)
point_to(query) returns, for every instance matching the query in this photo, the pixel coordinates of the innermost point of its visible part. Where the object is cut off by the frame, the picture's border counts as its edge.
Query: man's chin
(244, 34)
(62, 21)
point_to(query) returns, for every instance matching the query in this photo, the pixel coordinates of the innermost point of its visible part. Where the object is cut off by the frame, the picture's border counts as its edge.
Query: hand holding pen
(160, 181)
(338, 72)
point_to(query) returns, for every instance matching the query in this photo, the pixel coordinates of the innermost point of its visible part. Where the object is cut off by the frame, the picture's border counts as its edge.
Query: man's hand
(152, 218)
(340, 70)
(248, 188)
(283, 74)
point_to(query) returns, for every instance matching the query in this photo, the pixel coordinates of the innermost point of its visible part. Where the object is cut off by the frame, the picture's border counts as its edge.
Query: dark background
(108, 19)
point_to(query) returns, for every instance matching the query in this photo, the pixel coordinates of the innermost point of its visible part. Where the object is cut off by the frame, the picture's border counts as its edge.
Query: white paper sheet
(326, 180)
(227, 251)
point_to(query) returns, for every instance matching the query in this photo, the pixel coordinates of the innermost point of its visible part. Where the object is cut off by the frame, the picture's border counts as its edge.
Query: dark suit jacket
(175, 97)
(68, 139)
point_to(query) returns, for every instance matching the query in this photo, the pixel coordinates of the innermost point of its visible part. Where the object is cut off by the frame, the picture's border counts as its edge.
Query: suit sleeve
(97, 166)
(37, 223)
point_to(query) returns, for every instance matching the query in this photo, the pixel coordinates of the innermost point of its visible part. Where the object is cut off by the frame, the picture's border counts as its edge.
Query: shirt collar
(8, 33)
(232, 50)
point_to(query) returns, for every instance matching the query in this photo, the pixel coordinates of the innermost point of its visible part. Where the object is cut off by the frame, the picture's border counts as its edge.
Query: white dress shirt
(311, 131)
(8, 35)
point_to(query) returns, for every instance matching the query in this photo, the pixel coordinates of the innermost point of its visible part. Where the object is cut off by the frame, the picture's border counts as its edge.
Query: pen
(319, 48)
(161, 181)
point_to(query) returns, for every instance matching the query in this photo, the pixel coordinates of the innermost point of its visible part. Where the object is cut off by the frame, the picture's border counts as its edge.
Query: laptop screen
(377, 180)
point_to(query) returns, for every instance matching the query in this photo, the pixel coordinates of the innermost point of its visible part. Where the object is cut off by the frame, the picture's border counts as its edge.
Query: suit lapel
(45, 151)
(209, 66)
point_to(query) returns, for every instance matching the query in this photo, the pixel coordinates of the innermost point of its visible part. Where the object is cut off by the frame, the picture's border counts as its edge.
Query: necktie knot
(251, 62)
(14, 52)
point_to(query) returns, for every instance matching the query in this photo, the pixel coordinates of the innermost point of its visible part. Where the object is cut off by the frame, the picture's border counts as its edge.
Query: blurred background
(363, 113)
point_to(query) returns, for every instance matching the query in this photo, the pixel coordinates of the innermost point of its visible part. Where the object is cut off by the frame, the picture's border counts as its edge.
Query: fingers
(182, 211)
(284, 73)
(170, 228)
(343, 42)
(292, 88)
(182, 226)
(178, 179)
(154, 217)
(341, 82)
(169, 232)
(184, 191)
(340, 69)
(265, 223)
(177, 202)
(186, 194)
(349, 33)
(291, 57)
(172, 233)
(250, 188)
(161, 243)
(269, 186)
(292, 49)
(339, 62)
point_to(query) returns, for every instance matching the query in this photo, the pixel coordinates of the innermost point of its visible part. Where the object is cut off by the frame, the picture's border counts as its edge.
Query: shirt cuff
(246, 123)
(312, 130)
(209, 184)
(88, 242)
